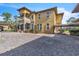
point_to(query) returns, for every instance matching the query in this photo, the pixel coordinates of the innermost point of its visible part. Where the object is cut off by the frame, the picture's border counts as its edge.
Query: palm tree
(7, 17)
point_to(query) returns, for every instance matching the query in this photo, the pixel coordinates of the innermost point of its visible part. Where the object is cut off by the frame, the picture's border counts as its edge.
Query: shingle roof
(76, 9)
(24, 8)
(54, 8)
(38, 11)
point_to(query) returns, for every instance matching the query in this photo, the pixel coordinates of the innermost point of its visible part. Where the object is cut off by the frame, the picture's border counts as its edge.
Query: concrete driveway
(28, 44)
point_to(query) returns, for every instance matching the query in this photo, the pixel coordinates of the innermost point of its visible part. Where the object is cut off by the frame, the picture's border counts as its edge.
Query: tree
(15, 23)
(16, 19)
(7, 17)
(71, 20)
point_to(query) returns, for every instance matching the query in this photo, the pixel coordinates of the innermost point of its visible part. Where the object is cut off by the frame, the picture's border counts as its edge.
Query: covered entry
(24, 27)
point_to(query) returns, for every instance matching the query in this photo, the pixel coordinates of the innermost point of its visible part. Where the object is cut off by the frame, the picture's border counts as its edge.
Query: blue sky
(62, 7)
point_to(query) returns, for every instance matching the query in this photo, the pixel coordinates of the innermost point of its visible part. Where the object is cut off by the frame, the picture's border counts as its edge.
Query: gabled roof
(54, 8)
(76, 9)
(25, 9)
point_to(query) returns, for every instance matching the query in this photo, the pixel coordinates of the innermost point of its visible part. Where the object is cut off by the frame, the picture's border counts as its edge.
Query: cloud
(67, 14)
(1, 18)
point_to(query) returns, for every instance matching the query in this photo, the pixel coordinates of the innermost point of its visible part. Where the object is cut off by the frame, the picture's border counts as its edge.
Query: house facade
(39, 22)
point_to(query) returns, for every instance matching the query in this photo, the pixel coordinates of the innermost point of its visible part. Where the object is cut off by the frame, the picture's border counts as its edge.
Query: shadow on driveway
(46, 46)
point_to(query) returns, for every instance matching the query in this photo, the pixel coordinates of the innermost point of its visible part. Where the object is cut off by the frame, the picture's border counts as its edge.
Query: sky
(61, 7)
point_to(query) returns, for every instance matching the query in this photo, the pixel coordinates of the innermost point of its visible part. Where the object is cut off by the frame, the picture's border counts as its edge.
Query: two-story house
(39, 22)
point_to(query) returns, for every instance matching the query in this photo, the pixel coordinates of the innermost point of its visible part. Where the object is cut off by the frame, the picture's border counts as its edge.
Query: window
(32, 17)
(39, 26)
(47, 26)
(32, 26)
(39, 16)
(48, 14)
(19, 26)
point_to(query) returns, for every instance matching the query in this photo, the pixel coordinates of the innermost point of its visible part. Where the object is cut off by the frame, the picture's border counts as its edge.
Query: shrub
(74, 32)
(12, 30)
(31, 31)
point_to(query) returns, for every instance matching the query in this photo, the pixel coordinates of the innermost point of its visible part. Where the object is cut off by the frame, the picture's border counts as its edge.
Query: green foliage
(12, 30)
(71, 20)
(7, 17)
(73, 32)
(31, 31)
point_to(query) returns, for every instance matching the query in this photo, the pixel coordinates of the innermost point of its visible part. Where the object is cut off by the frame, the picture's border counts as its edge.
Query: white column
(24, 22)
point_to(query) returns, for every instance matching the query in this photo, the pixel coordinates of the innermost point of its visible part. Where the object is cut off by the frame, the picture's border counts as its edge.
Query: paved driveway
(28, 44)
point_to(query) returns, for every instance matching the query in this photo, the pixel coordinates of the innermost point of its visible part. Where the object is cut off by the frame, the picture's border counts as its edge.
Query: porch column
(24, 22)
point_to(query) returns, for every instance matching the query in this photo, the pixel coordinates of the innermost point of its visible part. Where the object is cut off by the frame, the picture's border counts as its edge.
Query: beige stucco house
(39, 22)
